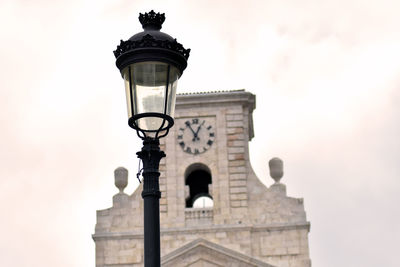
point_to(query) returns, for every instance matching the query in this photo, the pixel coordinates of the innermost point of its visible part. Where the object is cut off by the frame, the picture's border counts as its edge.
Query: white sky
(326, 77)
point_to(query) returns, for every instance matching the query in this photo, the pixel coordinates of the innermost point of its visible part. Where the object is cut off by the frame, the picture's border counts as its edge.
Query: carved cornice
(207, 229)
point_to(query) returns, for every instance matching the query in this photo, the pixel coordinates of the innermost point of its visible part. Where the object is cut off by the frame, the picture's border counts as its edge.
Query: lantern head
(151, 62)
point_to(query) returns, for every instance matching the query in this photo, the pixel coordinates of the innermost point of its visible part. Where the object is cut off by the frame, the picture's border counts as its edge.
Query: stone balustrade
(198, 216)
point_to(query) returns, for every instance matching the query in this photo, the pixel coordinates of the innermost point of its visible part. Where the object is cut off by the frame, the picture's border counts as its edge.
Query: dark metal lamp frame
(151, 45)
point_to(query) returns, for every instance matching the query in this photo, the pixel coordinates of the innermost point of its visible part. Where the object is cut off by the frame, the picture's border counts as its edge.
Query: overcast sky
(326, 77)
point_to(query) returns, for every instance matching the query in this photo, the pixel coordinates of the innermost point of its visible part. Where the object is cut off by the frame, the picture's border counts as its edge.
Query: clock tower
(214, 211)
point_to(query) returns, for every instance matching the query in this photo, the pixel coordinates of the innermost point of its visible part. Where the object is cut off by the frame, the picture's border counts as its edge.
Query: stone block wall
(237, 147)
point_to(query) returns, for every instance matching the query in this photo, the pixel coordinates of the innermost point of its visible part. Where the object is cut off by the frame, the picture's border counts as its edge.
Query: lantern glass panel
(150, 87)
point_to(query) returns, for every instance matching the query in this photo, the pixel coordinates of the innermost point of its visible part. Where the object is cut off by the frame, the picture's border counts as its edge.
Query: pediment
(203, 253)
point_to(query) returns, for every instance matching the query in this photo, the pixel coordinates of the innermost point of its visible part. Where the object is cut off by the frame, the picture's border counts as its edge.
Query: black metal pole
(151, 156)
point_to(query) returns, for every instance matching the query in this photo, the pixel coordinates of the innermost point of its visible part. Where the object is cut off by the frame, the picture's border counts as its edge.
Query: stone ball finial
(276, 169)
(121, 178)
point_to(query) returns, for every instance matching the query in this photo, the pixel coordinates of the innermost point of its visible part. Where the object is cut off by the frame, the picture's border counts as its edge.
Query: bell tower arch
(198, 186)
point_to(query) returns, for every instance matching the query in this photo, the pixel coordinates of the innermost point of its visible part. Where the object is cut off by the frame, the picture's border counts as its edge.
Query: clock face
(196, 136)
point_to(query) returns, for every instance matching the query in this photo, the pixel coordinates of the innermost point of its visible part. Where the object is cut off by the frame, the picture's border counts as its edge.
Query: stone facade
(248, 223)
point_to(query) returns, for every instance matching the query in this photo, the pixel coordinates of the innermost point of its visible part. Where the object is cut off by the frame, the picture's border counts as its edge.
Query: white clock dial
(196, 136)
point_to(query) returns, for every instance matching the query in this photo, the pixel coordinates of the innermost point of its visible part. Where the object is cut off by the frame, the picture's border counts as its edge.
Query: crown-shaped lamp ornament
(152, 19)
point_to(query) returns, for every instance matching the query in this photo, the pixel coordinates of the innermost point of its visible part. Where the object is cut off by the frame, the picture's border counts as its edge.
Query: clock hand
(196, 137)
(198, 129)
(190, 127)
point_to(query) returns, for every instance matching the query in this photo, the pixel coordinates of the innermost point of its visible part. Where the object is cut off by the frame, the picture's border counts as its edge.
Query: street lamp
(151, 62)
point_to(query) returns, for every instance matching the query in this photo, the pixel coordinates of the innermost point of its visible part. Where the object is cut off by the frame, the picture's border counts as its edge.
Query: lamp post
(151, 62)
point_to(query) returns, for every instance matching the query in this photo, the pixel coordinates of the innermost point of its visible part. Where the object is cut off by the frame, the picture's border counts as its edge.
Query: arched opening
(198, 179)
